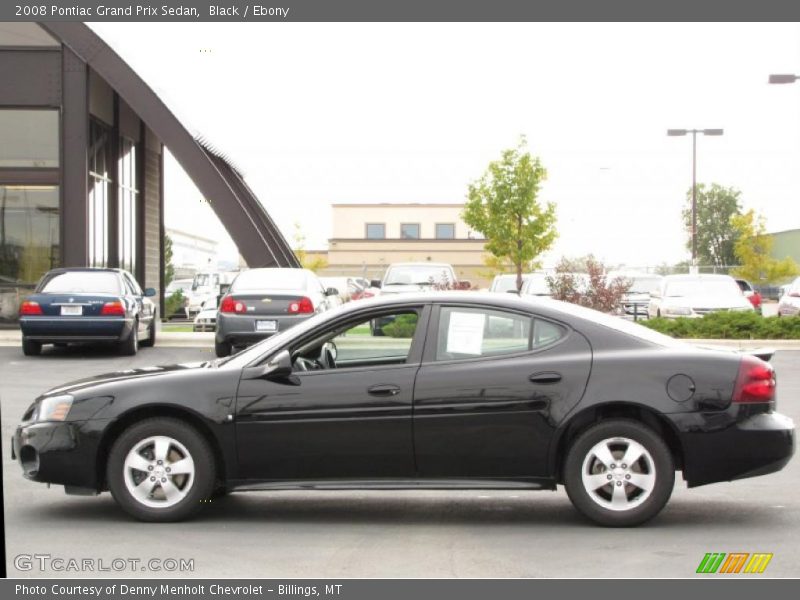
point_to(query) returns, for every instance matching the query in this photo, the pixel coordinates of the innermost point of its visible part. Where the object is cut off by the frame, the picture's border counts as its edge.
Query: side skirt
(394, 484)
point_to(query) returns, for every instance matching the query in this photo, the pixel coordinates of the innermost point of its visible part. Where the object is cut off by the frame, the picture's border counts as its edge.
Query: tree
(312, 263)
(715, 234)
(169, 268)
(753, 250)
(503, 206)
(594, 290)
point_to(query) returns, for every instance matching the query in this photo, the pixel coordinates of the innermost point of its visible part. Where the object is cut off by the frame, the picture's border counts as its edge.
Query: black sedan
(88, 305)
(462, 390)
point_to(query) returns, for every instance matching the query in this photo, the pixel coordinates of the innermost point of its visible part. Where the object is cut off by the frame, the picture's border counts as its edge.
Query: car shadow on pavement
(415, 508)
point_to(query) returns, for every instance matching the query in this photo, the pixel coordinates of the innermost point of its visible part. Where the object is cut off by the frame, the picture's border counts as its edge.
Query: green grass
(176, 328)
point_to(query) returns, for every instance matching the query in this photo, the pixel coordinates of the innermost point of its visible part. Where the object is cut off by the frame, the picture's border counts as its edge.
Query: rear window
(272, 279)
(82, 282)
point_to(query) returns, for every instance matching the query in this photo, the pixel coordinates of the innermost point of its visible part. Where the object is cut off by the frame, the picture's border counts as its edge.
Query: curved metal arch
(259, 241)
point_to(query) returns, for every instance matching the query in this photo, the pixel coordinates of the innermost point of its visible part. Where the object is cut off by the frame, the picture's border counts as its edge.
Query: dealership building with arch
(82, 141)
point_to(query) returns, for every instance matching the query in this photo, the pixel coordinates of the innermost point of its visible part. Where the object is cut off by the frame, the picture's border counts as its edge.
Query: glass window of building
(99, 182)
(445, 231)
(409, 231)
(30, 138)
(29, 241)
(376, 231)
(128, 196)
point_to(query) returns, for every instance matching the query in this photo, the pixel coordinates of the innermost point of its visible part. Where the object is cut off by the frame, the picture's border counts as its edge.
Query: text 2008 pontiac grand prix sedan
(462, 390)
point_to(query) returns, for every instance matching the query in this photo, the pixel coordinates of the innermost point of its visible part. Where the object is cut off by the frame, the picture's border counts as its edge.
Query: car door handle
(545, 378)
(383, 390)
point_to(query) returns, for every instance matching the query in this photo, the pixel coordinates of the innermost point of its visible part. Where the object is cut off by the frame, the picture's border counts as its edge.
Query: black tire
(151, 335)
(201, 486)
(222, 349)
(642, 506)
(130, 345)
(30, 347)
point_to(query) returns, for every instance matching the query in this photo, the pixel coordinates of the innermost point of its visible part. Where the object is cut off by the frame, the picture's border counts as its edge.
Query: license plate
(269, 326)
(71, 311)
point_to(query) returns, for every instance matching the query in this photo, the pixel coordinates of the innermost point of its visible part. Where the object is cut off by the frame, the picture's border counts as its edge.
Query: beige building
(369, 237)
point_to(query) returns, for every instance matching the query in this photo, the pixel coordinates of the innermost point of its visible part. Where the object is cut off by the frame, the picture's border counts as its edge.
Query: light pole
(694, 132)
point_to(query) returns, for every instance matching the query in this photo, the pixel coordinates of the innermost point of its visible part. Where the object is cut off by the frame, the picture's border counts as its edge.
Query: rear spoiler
(762, 353)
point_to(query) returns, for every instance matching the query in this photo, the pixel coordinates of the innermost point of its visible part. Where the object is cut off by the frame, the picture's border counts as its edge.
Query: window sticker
(465, 333)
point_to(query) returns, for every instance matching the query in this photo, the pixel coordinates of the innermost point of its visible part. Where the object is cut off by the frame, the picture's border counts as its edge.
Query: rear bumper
(240, 330)
(75, 329)
(758, 445)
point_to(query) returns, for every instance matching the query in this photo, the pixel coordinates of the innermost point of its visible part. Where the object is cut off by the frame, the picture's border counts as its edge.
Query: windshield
(201, 280)
(272, 279)
(506, 283)
(247, 356)
(82, 282)
(418, 275)
(643, 285)
(704, 287)
(537, 286)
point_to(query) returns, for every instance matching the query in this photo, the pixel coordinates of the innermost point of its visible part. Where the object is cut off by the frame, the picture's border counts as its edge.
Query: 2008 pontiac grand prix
(450, 390)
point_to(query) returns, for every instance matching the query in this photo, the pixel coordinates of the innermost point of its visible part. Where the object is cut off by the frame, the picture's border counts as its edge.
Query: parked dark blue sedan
(88, 305)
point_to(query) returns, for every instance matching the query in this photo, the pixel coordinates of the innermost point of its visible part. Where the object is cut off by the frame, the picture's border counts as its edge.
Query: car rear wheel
(30, 347)
(619, 473)
(222, 349)
(151, 335)
(160, 470)
(130, 346)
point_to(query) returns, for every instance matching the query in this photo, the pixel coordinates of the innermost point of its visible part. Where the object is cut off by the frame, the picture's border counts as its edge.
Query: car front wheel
(619, 473)
(161, 469)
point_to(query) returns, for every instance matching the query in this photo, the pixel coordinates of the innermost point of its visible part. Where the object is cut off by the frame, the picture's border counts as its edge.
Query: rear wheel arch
(592, 415)
(136, 415)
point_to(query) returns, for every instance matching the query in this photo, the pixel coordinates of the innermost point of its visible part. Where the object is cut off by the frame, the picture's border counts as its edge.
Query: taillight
(755, 383)
(301, 306)
(229, 305)
(29, 307)
(113, 309)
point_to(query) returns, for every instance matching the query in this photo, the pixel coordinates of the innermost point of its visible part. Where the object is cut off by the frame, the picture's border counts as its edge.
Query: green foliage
(593, 290)
(753, 250)
(503, 206)
(729, 326)
(402, 327)
(312, 263)
(174, 303)
(169, 268)
(716, 236)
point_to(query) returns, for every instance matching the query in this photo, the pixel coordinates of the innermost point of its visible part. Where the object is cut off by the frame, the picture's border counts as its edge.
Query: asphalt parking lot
(387, 534)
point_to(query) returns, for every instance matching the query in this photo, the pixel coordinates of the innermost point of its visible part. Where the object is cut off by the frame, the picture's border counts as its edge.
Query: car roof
(85, 269)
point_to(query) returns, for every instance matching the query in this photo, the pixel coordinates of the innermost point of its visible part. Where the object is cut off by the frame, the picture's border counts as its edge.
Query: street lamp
(694, 132)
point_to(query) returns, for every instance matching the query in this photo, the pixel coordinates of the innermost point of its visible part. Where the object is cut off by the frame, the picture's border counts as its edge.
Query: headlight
(54, 408)
(677, 310)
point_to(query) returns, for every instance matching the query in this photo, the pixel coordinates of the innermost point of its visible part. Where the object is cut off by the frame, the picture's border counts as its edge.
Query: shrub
(403, 326)
(730, 326)
(174, 303)
(595, 291)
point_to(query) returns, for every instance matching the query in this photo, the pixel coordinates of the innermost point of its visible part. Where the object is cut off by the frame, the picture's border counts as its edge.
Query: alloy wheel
(159, 471)
(618, 473)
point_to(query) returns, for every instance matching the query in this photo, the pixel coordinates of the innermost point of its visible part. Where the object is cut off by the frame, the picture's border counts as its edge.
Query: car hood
(140, 373)
(708, 301)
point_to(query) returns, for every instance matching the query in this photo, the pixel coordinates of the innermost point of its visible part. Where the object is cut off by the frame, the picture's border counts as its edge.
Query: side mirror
(149, 292)
(376, 283)
(279, 367)
(331, 292)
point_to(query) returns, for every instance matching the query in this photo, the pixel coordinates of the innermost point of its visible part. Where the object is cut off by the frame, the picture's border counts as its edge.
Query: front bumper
(63, 453)
(758, 445)
(75, 329)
